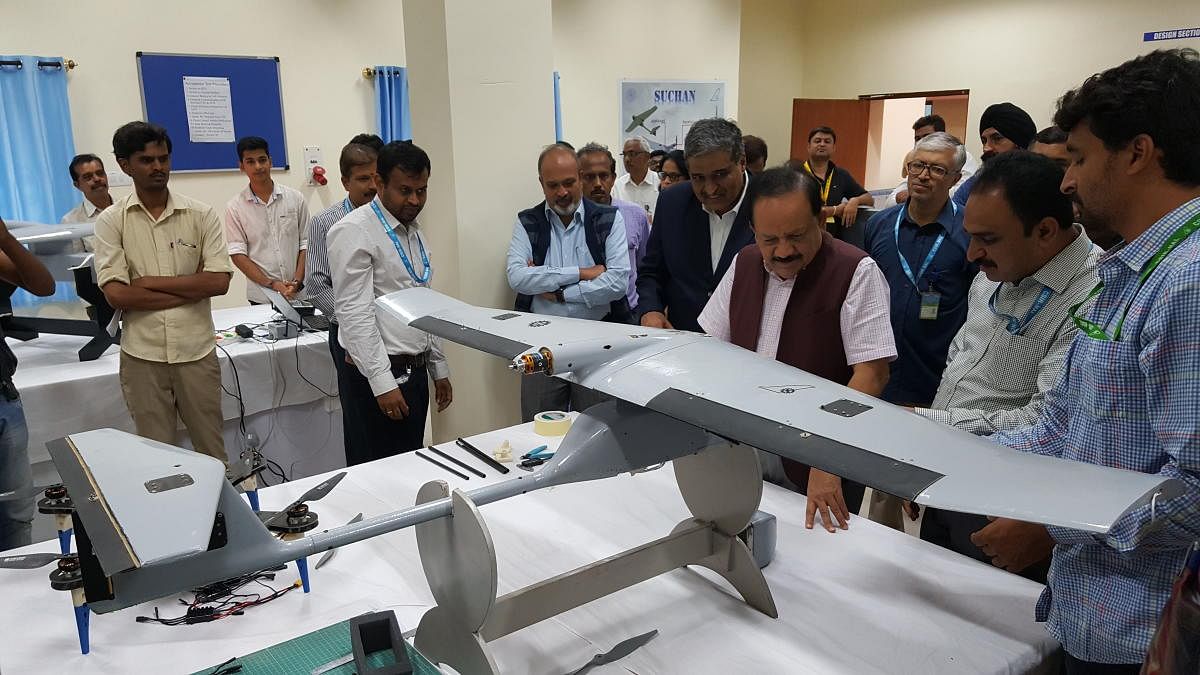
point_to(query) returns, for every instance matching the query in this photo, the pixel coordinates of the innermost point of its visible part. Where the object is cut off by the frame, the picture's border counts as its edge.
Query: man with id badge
(1036, 265)
(160, 257)
(374, 250)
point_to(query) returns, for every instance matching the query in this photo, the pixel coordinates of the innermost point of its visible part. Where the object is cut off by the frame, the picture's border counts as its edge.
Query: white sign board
(209, 109)
(662, 111)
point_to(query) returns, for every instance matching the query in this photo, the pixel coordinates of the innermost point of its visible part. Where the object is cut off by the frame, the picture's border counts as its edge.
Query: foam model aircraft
(639, 120)
(152, 520)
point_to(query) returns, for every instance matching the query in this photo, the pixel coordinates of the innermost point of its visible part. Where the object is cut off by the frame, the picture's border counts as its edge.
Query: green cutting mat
(299, 656)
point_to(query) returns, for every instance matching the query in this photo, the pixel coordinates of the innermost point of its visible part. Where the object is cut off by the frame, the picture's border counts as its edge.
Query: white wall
(598, 44)
(886, 152)
(770, 72)
(322, 47)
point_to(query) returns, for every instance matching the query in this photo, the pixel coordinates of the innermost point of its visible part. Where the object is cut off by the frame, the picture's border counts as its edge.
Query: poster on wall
(662, 111)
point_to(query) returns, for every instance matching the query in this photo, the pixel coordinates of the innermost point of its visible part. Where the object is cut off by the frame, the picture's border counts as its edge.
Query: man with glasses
(639, 185)
(1036, 265)
(698, 231)
(921, 128)
(598, 170)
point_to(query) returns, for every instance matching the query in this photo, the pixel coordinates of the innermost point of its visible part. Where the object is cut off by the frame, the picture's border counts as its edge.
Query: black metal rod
(479, 454)
(49, 64)
(18, 64)
(431, 460)
(472, 469)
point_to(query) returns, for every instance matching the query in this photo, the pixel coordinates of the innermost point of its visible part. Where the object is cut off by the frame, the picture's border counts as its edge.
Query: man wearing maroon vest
(811, 301)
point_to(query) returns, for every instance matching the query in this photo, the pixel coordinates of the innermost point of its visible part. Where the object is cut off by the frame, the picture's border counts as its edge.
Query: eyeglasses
(935, 171)
(671, 176)
(633, 153)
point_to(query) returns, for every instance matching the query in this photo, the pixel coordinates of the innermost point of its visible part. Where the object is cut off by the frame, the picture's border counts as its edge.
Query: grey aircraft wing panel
(739, 395)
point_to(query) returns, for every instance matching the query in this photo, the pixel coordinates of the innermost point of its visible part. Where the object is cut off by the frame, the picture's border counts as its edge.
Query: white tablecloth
(866, 600)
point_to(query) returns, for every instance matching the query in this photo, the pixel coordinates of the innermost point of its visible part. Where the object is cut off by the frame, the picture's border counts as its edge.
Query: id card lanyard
(930, 299)
(425, 276)
(825, 187)
(1018, 326)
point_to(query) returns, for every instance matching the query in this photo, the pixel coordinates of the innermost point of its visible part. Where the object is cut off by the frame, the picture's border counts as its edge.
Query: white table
(298, 426)
(866, 600)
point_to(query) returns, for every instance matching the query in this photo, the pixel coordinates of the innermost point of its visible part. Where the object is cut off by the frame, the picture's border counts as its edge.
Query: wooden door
(849, 118)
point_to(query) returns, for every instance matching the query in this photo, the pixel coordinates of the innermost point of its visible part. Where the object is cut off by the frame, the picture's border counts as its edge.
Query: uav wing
(739, 395)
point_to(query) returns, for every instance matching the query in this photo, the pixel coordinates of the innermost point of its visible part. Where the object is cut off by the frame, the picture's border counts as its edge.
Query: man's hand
(656, 320)
(443, 393)
(589, 273)
(392, 404)
(913, 510)
(287, 290)
(849, 214)
(1013, 544)
(548, 297)
(902, 196)
(825, 494)
(828, 212)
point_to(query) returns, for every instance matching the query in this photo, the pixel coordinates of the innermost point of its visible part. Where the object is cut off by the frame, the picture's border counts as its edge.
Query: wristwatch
(558, 295)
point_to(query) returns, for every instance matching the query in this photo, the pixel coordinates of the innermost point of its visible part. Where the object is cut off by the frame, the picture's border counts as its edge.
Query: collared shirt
(865, 323)
(720, 226)
(968, 170)
(996, 380)
(637, 233)
(271, 234)
(318, 282)
(842, 185)
(366, 265)
(186, 238)
(922, 343)
(1130, 404)
(567, 253)
(84, 212)
(644, 194)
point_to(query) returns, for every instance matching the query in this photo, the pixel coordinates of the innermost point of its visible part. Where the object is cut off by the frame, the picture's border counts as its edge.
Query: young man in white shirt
(266, 226)
(375, 250)
(89, 177)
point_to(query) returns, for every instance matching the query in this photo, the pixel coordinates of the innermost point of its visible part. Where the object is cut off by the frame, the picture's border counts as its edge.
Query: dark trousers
(852, 492)
(1073, 666)
(541, 392)
(372, 434)
(343, 373)
(953, 530)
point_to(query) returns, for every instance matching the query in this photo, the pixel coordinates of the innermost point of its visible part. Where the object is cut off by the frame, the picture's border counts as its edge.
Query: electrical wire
(224, 599)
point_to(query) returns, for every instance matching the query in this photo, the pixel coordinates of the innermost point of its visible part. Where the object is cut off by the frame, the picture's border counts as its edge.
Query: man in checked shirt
(1129, 395)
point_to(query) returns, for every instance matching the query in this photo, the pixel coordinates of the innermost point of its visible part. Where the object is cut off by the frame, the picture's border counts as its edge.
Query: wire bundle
(224, 598)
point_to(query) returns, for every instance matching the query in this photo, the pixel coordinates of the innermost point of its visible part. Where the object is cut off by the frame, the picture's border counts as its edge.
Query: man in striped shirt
(1129, 396)
(357, 164)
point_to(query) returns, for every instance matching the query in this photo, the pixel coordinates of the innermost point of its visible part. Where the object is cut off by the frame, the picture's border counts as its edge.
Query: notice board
(207, 102)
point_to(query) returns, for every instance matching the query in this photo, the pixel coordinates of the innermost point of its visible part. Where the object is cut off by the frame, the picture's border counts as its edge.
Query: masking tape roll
(551, 423)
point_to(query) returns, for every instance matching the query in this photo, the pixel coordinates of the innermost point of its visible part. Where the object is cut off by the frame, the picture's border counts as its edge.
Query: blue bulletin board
(202, 137)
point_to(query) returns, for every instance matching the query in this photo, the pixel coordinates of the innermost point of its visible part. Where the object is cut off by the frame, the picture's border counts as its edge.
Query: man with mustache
(160, 256)
(1036, 265)
(357, 165)
(811, 301)
(700, 228)
(598, 169)
(88, 176)
(375, 250)
(1002, 127)
(568, 257)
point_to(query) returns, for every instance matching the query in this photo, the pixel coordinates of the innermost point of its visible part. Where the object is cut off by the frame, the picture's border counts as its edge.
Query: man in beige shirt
(159, 258)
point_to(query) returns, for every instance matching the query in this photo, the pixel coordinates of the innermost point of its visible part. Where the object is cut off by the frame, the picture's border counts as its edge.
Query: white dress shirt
(644, 194)
(271, 234)
(366, 265)
(84, 212)
(720, 226)
(865, 317)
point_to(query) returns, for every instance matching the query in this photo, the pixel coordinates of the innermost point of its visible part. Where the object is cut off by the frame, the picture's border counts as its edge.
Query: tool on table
(333, 665)
(472, 469)
(329, 554)
(479, 455)
(551, 423)
(431, 460)
(531, 462)
(374, 633)
(620, 651)
(539, 451)
(227, 668)
(503, 453)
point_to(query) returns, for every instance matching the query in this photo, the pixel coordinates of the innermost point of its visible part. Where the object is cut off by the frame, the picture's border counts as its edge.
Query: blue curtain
(558, 130)
(36, 142)
(391, 103)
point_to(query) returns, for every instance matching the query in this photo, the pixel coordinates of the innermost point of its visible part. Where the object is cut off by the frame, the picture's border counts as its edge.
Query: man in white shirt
(639, 185)
(811, 301)
(266, 226)
(89, 177)
(375, 250)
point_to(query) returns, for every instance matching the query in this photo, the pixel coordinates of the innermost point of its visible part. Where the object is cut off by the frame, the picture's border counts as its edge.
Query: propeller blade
(330, 553)
(29, 561)
(18, 495)
(318, 491)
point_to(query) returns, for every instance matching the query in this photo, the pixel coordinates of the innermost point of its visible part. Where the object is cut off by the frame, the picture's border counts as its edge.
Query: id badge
(929, 305)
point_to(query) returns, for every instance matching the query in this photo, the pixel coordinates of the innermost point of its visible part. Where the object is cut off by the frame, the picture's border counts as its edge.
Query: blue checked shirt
(318, 282)
(1132, 404)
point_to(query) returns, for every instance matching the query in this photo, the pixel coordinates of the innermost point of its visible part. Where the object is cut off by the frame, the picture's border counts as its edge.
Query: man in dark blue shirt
(921, 248)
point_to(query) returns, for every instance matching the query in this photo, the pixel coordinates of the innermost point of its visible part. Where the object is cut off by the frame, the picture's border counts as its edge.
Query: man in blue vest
(568, 257)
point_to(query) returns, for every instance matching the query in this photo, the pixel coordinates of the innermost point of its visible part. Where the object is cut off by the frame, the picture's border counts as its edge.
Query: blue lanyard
(928, 259)
(424, 278)
(1014, 326)
(346, 205)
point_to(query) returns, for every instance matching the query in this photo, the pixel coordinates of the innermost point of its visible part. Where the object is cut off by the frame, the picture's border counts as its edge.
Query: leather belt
(409, 360)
